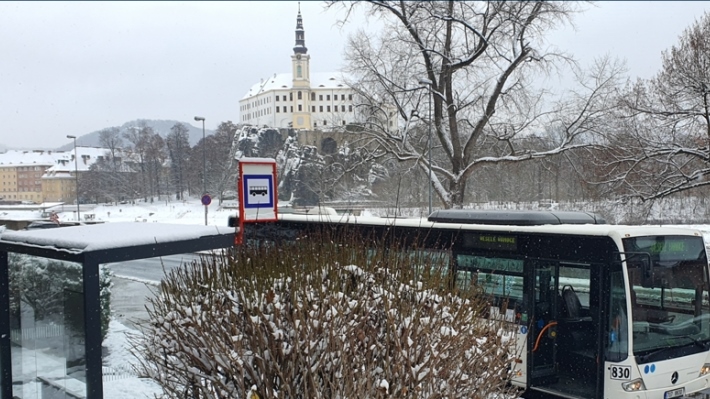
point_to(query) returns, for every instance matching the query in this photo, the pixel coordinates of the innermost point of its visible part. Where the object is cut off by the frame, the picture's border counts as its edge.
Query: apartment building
(21, 173)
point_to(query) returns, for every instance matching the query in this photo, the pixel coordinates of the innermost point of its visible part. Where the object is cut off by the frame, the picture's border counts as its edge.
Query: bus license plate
(676, 393)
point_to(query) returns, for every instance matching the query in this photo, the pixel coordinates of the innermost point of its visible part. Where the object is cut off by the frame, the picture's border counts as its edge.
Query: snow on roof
(14, 158)
(284, 81)
(104, 236)
(65, 163)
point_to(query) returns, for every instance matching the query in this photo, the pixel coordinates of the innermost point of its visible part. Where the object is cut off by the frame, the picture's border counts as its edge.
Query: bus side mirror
(647, 274)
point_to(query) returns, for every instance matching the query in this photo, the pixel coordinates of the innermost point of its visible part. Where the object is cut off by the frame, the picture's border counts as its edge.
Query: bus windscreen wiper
(703, 344)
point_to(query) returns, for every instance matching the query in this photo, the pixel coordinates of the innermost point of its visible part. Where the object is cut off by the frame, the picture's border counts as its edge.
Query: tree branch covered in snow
(471, 72)
(662, 140)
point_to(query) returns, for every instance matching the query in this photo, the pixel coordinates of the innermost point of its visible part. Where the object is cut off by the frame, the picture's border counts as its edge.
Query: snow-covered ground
(119, 380)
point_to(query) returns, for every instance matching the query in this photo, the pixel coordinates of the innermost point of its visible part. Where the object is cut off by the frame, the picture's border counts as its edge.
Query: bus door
(565, 329)
(543, 324)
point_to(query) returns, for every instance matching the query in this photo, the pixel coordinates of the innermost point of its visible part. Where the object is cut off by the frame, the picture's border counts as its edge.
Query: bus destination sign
(491, 241)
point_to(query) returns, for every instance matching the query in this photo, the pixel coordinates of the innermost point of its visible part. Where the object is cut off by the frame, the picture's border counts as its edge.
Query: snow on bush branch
(293, 323)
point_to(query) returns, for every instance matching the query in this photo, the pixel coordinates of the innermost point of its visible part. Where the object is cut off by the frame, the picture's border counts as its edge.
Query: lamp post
(76, 176)
(428, 83)
(204, 162)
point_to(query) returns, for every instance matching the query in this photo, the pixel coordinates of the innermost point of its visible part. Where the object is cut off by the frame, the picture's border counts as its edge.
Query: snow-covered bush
(316, 319)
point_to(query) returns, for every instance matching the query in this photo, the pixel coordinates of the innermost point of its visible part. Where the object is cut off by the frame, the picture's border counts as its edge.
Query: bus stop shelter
(50, 323)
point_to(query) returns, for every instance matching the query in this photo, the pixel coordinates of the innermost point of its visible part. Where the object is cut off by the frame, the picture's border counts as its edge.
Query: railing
(117, 373)
(17, 336)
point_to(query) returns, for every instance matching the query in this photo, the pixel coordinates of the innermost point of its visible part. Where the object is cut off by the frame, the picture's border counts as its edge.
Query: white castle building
(300, 99)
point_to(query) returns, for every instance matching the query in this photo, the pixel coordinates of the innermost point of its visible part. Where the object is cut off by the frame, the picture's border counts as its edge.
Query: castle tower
(300, 62)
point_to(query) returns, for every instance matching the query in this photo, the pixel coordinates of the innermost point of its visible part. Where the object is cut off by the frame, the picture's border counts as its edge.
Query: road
(152, 269)
(135, 283)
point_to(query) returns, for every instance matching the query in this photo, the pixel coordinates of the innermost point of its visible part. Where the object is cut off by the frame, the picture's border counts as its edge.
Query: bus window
(576, 279)
(618, 319)
(430, 263)
(668, 298)
(424, 263)
(498, 277)
(505, 265)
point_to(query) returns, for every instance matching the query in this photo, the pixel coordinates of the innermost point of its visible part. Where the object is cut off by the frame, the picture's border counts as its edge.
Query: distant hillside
(161, 127)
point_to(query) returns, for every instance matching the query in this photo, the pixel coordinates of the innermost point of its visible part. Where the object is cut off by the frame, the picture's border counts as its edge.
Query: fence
(17, 336)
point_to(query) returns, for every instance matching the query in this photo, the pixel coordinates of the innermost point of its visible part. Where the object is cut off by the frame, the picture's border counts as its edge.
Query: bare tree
(179, 153)
(111, 165)
(155, 157)
(221, 171)
(662, 146)
(110, 138)
(139, 137)
(474, 62)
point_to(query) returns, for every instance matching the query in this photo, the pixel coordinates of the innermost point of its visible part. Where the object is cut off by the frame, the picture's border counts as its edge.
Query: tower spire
(300, 47)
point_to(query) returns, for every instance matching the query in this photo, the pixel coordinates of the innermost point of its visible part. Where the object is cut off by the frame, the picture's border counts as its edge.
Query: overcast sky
(77, 67)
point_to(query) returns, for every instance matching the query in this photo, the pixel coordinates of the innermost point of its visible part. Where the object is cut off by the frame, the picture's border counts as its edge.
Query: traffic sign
(206, 199)
(257, 190)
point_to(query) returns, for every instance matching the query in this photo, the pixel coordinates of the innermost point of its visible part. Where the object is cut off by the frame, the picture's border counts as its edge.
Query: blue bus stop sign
(206, 199)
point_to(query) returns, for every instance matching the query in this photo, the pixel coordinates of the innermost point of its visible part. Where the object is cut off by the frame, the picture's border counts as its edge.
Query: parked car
(42, 225)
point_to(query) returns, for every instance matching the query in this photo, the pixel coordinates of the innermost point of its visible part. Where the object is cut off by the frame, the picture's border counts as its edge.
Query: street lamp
(429, 83)
(204, 161)
(76, 175)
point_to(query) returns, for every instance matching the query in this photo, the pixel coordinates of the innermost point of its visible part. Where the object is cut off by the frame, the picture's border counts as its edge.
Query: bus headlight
(705, 369)
(633, 386)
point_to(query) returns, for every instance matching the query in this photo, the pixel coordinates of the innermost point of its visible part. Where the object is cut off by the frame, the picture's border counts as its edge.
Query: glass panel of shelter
(47, 327)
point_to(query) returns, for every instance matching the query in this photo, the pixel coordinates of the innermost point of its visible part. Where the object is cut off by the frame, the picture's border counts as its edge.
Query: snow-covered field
(119, 380)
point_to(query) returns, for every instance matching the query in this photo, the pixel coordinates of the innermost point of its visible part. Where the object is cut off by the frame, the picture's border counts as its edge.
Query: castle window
(320, 97)
(277, 98)
(313, 96)
(300, 108)
(325, 123)
(328, 108)
(327, 97)
(335, 97)
(335, 108)
(290, 96)
(313, 108)
(350, 97)
(343, 123)
(292, 109)
(284, 98)
(315, 124)
(300, 96)
(350, 108)
(321, 108)
(277, 110)
(299, 72)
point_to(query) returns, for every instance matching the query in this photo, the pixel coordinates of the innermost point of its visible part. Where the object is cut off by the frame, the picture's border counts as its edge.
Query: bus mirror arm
(647, 280)
(641, 260)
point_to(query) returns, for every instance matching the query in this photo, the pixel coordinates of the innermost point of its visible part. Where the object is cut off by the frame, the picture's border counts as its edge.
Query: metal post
(431, 183)
(76, 176)
(429, 83)
(5, 343)
(92, 328)
(204, 162)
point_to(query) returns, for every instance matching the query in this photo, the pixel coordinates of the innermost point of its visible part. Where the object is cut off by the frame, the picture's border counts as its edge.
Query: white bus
(602, 311)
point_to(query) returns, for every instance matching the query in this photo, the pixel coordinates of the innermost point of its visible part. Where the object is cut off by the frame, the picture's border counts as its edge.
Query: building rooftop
(284, 81)
(14, 158)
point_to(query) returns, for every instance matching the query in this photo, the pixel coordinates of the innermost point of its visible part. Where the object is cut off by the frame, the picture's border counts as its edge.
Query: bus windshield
(669, 295)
